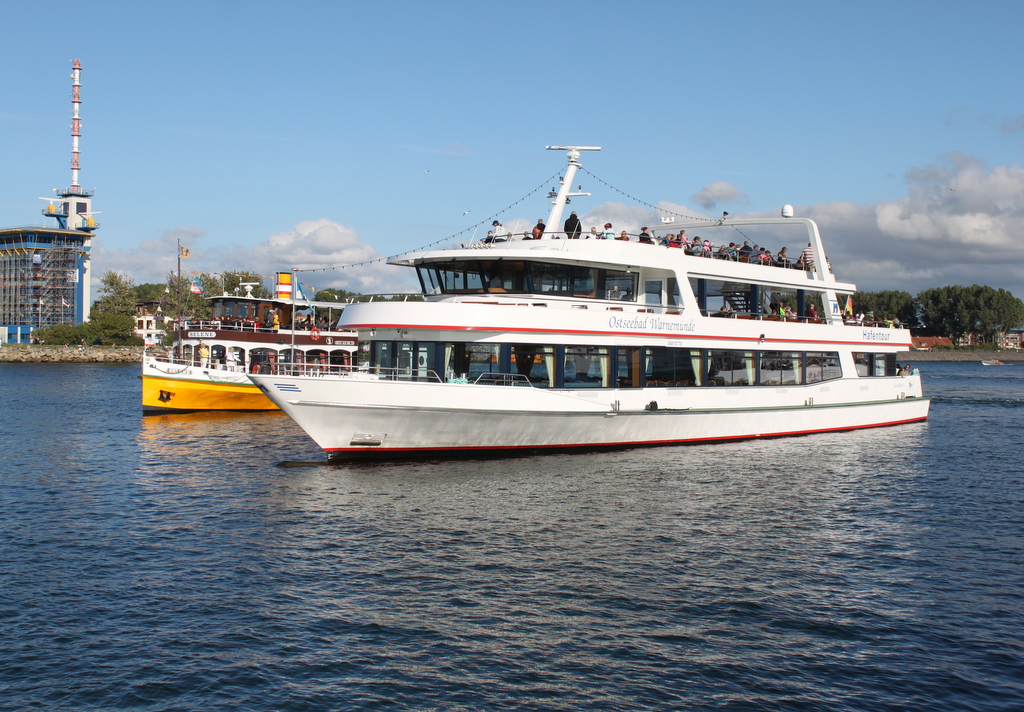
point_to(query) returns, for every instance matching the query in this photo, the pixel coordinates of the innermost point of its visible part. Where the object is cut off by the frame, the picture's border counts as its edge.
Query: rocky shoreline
(22, 353)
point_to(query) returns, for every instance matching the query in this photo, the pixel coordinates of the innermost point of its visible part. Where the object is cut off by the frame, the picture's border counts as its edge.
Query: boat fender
(314, 334)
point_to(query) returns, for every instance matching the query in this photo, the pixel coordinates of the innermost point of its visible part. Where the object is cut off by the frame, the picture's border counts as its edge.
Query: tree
(944, 311)
(59, 334)
(957, 311)
(888, 304)
(997, 311)
(117, 295)
(149, 292)
(111, 328)
(233, 281)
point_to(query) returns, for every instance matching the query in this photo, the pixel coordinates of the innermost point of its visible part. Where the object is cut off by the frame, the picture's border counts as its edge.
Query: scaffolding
(39, 277)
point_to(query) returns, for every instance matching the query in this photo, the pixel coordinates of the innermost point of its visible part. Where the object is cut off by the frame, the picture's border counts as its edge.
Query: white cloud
(311, 244)
(958, 224)
(718, 193)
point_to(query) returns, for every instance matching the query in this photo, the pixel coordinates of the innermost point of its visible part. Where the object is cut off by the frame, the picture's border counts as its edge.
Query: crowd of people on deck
(752, 254)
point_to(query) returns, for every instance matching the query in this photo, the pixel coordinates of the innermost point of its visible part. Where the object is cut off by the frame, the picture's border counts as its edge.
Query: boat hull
(171, 388)
(394, 420)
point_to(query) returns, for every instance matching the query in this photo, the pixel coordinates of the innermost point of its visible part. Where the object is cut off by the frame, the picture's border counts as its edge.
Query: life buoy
(314, 334)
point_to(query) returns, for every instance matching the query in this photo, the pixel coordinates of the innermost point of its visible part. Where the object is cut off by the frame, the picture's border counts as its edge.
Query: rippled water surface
(169, 563)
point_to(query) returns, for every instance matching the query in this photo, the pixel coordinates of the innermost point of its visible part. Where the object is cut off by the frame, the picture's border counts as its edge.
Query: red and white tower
(73, 210)
(76, 120)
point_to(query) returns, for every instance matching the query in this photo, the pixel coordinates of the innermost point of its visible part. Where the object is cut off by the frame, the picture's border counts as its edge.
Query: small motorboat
(993, 362)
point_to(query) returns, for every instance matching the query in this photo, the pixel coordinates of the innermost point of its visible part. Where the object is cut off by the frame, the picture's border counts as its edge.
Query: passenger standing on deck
(645, 236)
(608, 233)
(593, 234)
(538, 229)
(204, 354)
(497, 230)
(807, 256)
(572, 226)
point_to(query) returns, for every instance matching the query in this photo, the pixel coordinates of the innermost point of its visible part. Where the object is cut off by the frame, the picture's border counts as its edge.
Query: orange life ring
(314, 334)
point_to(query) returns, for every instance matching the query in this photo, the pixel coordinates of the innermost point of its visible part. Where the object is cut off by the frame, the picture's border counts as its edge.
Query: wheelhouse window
(501, 276)
(516, 277)
(618, 286)
(460, 278)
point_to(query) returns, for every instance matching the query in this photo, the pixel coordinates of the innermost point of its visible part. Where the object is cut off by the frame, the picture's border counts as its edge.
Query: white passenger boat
(556, 344)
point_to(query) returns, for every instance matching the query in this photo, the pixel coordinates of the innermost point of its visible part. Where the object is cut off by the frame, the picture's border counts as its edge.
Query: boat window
(586, 367)
(822, 367)
(672, 367)
(863, 362)
(292, 356)
(470, 361)
(620, 286)
(460, 277)
(415, 360)
(552, 278)
(875, 364)
(501, 276)
(340, 358)
(428, 279)
(631, 372)
(885, 364)
(261, 356)
(731, 368)
(217, 354)
(652, 291)
(381, 354)
(675, 298)
(242, 310)
(781, 368)
(536, 362)
(218, 310)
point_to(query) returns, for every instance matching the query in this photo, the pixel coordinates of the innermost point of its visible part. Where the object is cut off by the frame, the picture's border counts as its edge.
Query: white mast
(554, 224)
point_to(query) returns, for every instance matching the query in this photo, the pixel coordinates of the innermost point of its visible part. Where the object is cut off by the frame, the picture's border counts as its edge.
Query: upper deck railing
(695, 248)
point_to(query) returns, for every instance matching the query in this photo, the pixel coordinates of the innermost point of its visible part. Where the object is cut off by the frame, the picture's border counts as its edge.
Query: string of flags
(184, 251)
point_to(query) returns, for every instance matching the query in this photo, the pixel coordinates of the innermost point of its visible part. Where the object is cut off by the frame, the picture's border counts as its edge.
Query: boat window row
(560, 366)
(527, 277)
(238, 359)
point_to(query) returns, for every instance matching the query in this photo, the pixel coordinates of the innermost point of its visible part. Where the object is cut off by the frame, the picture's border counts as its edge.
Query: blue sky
(267, 136)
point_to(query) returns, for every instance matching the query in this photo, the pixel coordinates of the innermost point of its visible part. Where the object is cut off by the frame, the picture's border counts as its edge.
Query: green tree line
(953, 311)
(112, 316)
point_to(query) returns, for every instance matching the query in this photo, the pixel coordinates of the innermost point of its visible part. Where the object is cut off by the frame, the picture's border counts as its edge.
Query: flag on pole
(182, 251)
(196, 289)
(849, 305)
(64, 302)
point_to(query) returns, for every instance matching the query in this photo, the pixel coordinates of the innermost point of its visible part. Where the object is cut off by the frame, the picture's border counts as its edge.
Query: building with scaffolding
(44, 271)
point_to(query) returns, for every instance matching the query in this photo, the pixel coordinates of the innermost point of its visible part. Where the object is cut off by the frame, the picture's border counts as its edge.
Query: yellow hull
(162, 394)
